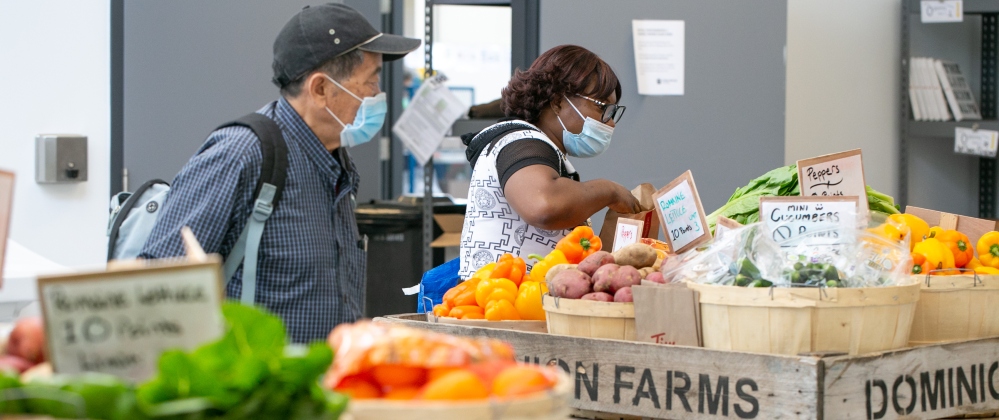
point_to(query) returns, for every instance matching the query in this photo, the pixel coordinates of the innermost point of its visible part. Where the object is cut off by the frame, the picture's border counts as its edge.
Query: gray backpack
(133, 214)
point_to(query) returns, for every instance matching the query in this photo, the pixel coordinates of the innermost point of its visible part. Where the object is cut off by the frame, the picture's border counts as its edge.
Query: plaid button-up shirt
(311, 264)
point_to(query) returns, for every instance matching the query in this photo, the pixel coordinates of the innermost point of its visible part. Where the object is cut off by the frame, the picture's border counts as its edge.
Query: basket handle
(977, 282)
(431, 311)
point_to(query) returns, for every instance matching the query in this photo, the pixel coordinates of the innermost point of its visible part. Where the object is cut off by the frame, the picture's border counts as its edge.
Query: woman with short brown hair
(524, 194)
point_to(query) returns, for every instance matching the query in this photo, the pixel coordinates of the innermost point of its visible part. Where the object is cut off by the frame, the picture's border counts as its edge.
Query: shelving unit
(910, 129)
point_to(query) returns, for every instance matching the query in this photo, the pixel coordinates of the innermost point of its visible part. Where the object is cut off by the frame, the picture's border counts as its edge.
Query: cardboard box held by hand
(651, 229)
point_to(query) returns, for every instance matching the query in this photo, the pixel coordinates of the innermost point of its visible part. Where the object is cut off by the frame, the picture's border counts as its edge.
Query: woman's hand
(624, 201)
(547, 201)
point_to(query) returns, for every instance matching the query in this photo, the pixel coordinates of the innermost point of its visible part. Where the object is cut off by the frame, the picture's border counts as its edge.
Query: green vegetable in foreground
(249, 373)
(744, 204)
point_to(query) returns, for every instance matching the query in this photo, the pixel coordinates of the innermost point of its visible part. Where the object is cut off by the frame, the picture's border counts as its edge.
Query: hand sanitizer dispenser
(60, 158)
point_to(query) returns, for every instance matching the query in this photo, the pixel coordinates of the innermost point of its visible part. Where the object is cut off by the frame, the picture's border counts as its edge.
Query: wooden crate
(587, 318)
(971, 226)
(956, 308)
(657, 381)
(805, 320)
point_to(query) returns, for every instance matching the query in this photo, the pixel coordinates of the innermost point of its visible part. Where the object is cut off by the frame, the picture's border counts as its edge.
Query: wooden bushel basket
(590, 319)
(805, 320)
(956, 308)
(552, 405)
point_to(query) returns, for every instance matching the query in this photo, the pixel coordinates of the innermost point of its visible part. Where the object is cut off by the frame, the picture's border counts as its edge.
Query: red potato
(571, 284)
(624, 295)
(590, 264)
(612, 277)
(14, 363)
(598, 296)
(656, 277)
(27, 340)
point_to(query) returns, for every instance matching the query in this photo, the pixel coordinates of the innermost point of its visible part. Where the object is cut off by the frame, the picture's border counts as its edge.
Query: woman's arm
(547, 201)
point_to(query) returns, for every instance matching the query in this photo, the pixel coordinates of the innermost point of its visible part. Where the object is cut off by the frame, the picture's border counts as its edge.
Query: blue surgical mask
(368, 121)
(591, 141)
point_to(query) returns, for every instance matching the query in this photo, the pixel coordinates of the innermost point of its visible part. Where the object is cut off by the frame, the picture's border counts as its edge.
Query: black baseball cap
(319, 33)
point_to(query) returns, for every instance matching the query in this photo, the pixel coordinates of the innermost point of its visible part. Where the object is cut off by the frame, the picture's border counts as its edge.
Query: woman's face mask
(368, 121)
(594, 138)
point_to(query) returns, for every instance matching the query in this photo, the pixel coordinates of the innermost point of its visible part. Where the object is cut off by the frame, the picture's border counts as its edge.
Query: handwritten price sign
(119, 322)
(836, 175)
(681, 214)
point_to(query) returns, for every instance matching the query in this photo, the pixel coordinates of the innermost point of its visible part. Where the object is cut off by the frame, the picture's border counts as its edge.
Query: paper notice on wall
(972, 142)
(429, 116)
(659, 56)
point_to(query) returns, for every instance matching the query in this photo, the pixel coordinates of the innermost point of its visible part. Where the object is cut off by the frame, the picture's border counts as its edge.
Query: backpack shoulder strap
(273, 172)
(274, 169)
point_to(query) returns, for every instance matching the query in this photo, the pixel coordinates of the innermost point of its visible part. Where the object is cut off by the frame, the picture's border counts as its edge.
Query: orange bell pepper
(528, 302)
(461, 294)
(579, 244)
(441, 310)
(919, 264)
(495, 289)
(460, 311)
(501, 310)
(510, 268)
(957, 242)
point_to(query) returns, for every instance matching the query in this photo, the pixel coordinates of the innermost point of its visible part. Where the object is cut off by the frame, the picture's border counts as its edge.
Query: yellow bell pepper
(485, 271)
(938, 255)
(546, 263)
(989, 271)
(918, 228)
(973, 264)
(489, 290)
(528, 302)
(988, 249)
(501, 310)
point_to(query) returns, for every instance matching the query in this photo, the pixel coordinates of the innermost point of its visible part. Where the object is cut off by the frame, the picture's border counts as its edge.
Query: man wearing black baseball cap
(311, 262)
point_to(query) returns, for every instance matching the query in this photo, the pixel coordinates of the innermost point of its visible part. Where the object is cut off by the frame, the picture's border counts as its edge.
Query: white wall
(842, 83)
(56, 75)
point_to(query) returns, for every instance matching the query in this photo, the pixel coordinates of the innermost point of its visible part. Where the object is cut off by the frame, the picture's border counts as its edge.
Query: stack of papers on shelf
(938, 91)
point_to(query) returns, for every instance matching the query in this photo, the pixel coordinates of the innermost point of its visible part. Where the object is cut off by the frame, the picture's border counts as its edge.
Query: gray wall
(729, 126)
(191, 65)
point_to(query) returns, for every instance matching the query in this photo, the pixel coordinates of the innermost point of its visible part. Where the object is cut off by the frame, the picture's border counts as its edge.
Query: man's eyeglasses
(610, 111)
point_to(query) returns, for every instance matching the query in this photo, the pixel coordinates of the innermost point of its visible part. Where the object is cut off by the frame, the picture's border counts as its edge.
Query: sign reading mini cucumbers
(823, 220)
(681, 214)
(119, 322)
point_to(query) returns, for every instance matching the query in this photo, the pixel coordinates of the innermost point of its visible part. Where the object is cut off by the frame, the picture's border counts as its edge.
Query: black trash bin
(395, 253)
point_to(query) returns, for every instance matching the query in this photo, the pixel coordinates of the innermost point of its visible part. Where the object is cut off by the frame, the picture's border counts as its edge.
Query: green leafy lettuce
(744, 205)
(249, 373)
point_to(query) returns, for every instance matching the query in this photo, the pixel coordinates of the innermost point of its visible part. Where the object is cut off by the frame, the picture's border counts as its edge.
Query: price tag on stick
(838, 174)
(627, 232)
(6, 200)
(119, 322)
(681, 214)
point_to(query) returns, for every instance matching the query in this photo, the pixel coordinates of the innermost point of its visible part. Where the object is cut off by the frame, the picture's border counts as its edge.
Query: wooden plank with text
(923, 382)
(650, 380)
